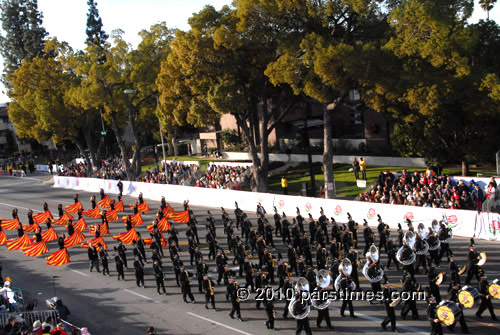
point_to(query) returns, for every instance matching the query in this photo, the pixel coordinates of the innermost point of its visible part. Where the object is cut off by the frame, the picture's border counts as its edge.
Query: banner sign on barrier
(463, 222)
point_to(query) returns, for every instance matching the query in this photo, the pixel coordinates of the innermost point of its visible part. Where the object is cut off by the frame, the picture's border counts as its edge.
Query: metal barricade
(29, 317)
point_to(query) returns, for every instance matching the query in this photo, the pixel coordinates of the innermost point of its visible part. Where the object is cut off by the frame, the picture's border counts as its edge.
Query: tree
(95, 34)
(319, 50)
(24, 38)
(487, 5)
(434, 64)
(218, 68)
(39, 108)
(124, 86)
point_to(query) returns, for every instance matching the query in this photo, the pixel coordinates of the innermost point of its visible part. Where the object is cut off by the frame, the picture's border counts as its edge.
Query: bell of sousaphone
(323, 278)
(298, 309)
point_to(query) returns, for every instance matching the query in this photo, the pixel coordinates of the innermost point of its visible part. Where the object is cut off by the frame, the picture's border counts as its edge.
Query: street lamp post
(161, 136)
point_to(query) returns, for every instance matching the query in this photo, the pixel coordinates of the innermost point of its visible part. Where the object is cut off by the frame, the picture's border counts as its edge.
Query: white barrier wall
(337, 159)
(464, 223)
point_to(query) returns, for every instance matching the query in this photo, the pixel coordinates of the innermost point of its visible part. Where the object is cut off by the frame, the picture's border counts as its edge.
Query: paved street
(108, 306)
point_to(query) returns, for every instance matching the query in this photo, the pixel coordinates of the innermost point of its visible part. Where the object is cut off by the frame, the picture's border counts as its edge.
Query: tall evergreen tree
(24, 33)
(95, 35)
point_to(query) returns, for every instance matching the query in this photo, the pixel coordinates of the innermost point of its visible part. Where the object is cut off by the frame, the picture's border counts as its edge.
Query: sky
(66, 19)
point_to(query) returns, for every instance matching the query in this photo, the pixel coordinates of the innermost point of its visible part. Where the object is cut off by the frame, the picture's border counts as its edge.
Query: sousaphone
(299, 308)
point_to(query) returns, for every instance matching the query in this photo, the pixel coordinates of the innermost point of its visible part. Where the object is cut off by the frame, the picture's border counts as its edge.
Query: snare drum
(448, 312)
(468, 296)
(494, 289)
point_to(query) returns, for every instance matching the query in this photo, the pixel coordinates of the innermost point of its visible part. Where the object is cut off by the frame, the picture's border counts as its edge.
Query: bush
(230, 138)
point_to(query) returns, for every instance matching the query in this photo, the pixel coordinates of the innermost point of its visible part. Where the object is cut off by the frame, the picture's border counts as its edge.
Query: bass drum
(448, 312)
(468, 296)
(494, 289)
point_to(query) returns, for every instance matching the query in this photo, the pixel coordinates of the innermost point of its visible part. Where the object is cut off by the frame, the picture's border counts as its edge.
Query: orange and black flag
(163, 225)
(74, 239)
(19, 243)
(40, 218)
(64, 219)
(3, 237)
(10, 224)
(58, 258)
(80, 225)
(128, 237)
(95, 242)
(73, 208)
(168, 210)
(181, 217)
(30, 228)
(49, 235)
(92, 213)
(112, 215)
(143, 207)
(119, 207)
(105, 202)
(136, 220)
(36, 249)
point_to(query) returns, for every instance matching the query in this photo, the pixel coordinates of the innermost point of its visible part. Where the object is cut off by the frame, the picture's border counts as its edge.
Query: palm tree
(487, 5)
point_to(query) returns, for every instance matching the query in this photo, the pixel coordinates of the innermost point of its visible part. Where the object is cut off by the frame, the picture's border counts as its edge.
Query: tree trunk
(256, 162)
(90, 146)
(465, 168)
(328, 150)
(136, 157)
(123, 150)
(80, 147)
(174, 147)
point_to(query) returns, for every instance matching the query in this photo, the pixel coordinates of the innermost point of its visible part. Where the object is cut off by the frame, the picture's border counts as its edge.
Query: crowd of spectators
(216, 176)
(112, 168)
(426, 189)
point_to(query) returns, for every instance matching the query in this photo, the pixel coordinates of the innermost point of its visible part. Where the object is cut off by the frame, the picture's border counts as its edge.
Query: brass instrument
(405, 255)
(210, 287)
(301, 288)
(440, 278)
(373, 256)
(396, 302)
(462, 270)
(323, 279)
(345, 268)
(482, 259)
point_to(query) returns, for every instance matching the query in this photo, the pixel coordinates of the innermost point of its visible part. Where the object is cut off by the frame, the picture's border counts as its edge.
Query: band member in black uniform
(410, 304)
(248, 268)
(282, 273)
(141, 246)
(235, 301)
(454, 276)
(103, 254)
(285, 230)
(208, 286)
(185, 279)
(353, 230)
(238, 213)
(353, 257)
(93, 258)
(220, 261)
(277, 222)
(434, 288)
(324, 314)
(321, 258)
(436, 328)
(101, 193)
(421, 260)
(120, 187)
(300, 221)
(269, 306)
(119, 265)
(485, 299)
(201, 271)
(60, 210)
(444, 233)
(160, 277)
(473, 269)
(345, 287)
(178, 266)
(389, 309)
(139, 273)
(368, 236)
(123, 253)
(346, 242)
(20, 229)
(453, 296)
(228, 273)
(391, 253)
(382, 235)
(299, 308)
(137, 253)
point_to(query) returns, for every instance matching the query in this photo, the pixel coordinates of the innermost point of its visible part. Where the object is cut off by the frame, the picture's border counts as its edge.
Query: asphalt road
(108, 306)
